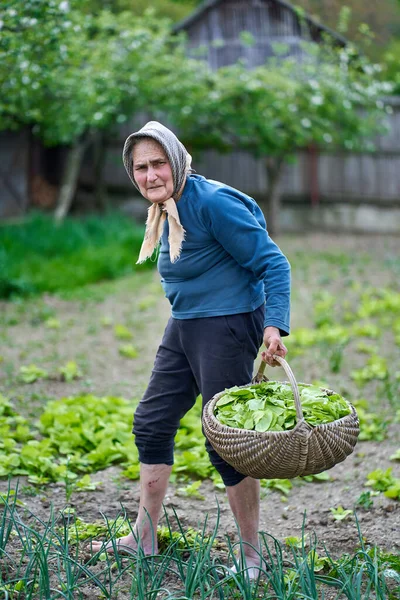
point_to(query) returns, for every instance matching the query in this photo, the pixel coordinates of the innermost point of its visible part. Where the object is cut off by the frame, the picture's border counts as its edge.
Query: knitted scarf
(180, 161)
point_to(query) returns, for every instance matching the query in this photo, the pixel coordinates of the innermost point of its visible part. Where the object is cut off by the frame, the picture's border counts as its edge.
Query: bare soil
(84, 336)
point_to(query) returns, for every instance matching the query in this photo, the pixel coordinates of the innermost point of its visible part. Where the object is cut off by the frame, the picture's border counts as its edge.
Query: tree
(391, 65)
(381, 18)
(331, 100)
(172, 9)
(74, 76)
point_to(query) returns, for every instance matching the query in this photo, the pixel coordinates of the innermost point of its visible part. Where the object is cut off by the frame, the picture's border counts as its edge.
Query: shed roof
(208, 4)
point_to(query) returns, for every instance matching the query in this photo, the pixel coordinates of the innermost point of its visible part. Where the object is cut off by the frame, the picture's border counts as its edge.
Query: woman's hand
(273, 343)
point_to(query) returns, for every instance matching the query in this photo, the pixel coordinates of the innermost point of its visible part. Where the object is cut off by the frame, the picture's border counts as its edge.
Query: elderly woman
(229, 288)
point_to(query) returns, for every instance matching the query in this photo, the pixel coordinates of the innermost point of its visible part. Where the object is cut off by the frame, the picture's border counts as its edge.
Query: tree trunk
(274, 171)
(99, 158)
(70, 179)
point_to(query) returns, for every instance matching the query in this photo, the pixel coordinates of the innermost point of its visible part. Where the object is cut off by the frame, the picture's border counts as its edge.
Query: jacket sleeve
(238, 224)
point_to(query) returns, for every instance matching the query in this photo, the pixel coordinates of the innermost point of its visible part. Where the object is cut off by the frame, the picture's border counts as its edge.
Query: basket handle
(293, 382)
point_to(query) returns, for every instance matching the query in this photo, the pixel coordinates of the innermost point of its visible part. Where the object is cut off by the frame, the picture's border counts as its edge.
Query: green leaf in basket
(258, 415)
(277, 410)
(265, 423)
(243, 392)
(255, 404)
(289, 423)
(225, 399)
(269, 406)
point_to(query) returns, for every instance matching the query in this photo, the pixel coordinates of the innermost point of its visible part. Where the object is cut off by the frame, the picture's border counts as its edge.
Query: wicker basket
(303, 450)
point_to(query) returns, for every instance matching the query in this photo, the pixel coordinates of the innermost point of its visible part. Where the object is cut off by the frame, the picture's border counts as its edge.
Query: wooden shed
(220, 27)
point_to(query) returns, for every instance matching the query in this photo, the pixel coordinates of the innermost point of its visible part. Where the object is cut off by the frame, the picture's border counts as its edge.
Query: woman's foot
(251, 569)
(124, 545)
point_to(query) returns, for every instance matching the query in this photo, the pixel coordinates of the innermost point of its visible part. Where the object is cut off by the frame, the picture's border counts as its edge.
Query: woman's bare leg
(153, 487)
(244, 500)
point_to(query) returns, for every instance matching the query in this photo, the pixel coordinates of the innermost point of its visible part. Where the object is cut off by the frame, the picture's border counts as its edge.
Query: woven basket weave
(303, 450)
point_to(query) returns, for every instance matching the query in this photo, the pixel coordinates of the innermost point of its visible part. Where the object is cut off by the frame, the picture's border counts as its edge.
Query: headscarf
(180, 161)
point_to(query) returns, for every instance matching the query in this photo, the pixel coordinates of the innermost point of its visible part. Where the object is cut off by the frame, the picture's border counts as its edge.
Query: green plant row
(47, 560)
(79, 435)
(85, 434)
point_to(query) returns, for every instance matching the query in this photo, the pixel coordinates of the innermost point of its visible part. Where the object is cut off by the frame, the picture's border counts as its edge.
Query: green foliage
(281, 485)
(52, 323)
(365, 499)
(383, 481)
(10, 496)
(372, 425)
(332, 100)
(270, 407)
(391, 62)
(340, 514)
(38, 256)
(376, 368)
(172, 9)
(191, 490)
(77, 71)
(70, 371)
(33, 46)
(191, 538)
(122, 333)
(80, 435)
(80, 531)
(85, 434)
(396, 455)
(294, 541)
(32, 373)
(128, 351)
(317, 477)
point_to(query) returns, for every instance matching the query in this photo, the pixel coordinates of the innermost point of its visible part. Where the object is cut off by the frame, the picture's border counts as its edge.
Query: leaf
(122, 333)
(225, 399)
(340, 514)
(393, 491)
(265, 423)
(396, 455)
(243, 392)
(70, 371)
(32, 373)
(128, 351)
(52, 323)
(248, 424)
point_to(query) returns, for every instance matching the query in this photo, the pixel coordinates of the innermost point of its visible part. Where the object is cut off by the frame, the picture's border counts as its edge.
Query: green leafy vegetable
(32, 373)
(340, 513)
(269, 406)
(70, 371)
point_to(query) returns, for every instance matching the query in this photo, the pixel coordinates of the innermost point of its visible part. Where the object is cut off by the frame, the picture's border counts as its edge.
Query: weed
(383, 481)
(340, 514)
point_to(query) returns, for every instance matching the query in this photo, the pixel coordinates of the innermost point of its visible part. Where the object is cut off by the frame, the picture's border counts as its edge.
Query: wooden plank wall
(219, 29)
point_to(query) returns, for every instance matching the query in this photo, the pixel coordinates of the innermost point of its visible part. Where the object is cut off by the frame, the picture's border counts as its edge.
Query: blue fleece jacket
(228, 263)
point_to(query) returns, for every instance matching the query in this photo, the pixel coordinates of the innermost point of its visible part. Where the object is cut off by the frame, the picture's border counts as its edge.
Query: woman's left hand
(273, 343)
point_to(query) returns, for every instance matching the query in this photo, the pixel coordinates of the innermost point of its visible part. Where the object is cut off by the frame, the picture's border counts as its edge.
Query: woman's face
(152, 171)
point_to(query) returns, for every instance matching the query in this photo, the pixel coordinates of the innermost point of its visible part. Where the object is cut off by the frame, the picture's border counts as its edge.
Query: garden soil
(83, 335)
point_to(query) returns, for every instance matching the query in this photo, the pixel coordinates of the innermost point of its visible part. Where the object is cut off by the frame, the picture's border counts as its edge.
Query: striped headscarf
(180, 161)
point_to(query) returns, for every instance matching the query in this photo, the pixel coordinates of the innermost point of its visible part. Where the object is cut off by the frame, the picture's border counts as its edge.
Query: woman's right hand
(273, 342)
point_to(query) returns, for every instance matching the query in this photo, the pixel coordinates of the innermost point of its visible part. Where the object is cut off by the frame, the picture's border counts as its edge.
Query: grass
(38, 256)
(50, 560)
